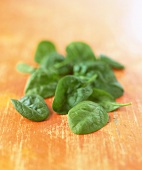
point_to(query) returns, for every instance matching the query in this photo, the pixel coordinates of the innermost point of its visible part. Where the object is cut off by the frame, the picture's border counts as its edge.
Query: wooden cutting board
(109, 27)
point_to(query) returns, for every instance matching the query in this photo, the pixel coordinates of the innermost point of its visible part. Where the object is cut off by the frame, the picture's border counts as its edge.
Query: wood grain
(112, 27)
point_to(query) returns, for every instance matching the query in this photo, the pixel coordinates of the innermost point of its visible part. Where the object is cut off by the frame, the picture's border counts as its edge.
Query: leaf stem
(92, 79)
(119, 104)
(59, 65)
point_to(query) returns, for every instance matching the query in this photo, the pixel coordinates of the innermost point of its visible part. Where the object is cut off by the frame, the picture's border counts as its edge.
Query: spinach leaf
(32, 107)
(51, 60)
(25, 68)
(106, 79)
(114, 88)
(87, 117)
(99, 96)
(78, 52)
(106, 100)
(42, 82)
(44, 48)
(112, 63)
(111, 106)
(70, 91)
(55, 63)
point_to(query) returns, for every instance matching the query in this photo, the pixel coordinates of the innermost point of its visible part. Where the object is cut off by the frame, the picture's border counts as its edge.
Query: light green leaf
(25, 68)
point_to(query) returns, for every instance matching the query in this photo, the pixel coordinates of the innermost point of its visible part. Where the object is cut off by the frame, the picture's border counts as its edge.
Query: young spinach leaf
(112, 63)
(70, 91)
(42, 82)
(99, 96)
(44, 48)
(55, 62)
(87, 117)
(25, 68)
(32, 107)
(106, 79)
(51, 60)
(106, 100)
(78, 52)
(112, 106)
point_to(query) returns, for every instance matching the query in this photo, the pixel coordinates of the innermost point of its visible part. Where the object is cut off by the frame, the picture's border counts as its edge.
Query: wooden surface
(112, 27)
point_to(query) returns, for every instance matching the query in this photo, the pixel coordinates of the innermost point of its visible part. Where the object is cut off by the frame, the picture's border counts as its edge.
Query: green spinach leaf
(112, 106)
(106, 79)
(32, 107)
(44, 48)
(70, 91)
(55, 63)
(79, 52)
(87, 117)
(106, 100)
(99, 96)
(42, 82)
(25, 68)
(112, 63)
(51, 60)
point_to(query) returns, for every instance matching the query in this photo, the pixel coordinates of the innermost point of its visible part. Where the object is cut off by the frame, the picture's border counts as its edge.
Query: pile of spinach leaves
(84, 86)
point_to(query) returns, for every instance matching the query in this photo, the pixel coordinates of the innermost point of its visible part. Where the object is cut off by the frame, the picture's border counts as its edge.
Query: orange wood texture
(112, 27)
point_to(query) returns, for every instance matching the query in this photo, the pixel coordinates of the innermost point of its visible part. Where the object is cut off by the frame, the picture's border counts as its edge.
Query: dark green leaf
(106, 100)
(32, 107)
(79, 52)
(112, 63)
(55, 62)
(111, 106)
(51, 60)
(99, 96)
(43, 50)
(42, 83)
(87, 117)
(105, 80)
(25, 68)
(70, 91)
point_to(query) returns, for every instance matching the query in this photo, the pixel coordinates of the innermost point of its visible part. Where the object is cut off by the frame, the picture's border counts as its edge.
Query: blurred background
(110, 26)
